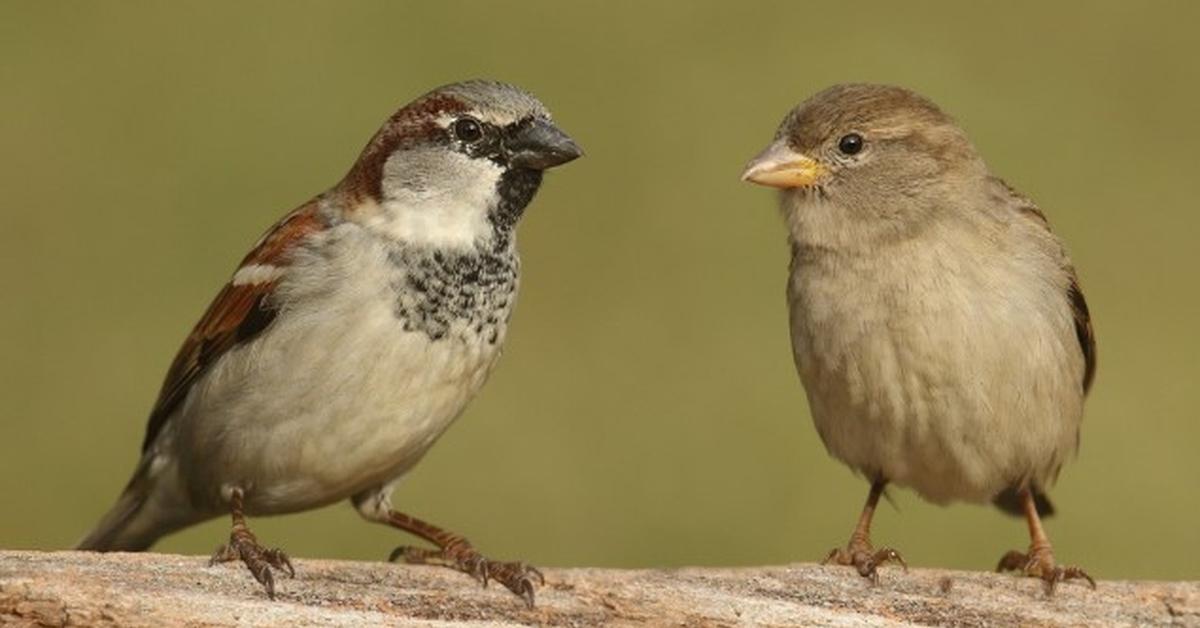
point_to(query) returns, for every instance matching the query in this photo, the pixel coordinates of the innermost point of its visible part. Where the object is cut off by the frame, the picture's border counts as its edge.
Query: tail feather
(147, 510)
(112, 534)
(1009, 501)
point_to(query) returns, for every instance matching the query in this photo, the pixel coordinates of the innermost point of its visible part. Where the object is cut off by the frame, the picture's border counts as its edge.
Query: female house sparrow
(350, 337)
(937, 323)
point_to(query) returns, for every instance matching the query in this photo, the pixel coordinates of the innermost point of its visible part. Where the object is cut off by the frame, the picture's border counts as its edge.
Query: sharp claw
(516, 576)
(1071, 573)
(212, 560)
(872, 572)
(1050, 584)
(866, 569)
(482, 570)
(888, 554)
(527, 593)
(865, 560)
(1091, 583)
(267, 580)
(284, 563)
(258, 560)
(1040, 564)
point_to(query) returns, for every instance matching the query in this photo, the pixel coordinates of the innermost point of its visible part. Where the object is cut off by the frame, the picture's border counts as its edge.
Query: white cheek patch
(438, 198)
(253, 274)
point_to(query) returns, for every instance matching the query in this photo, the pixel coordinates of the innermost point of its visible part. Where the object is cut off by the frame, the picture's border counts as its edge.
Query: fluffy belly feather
(345, 393)
(368, 404)
(959, 394)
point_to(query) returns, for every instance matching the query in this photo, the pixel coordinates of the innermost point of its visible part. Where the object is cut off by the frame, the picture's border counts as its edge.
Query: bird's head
(457, 164)
(868, 153)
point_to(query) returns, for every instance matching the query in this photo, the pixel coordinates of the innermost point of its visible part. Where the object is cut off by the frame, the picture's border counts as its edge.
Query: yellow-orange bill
(781, 167)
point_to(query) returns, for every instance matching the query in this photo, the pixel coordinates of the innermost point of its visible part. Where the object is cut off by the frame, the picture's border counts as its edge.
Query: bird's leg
(455, 552)
(858, 553)
(1039, 561)
(244, 546)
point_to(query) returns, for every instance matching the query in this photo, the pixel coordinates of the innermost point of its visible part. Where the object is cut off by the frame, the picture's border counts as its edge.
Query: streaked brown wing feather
(238, 314)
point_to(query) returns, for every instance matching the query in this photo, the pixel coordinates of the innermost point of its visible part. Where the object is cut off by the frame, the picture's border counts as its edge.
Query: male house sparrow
(937, 323)
(350, 337)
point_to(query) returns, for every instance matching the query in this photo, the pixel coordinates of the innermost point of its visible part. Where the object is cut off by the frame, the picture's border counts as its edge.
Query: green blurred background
(647, 411)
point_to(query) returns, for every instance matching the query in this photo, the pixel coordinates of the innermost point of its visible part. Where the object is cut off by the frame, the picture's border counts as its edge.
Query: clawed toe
(1040, 563)
(279, 560)
(517, 577)
(258, 560)
(858, 553)
(864, 559)
(889, 555)
(455, 552)
(244, 546)
(223, 554)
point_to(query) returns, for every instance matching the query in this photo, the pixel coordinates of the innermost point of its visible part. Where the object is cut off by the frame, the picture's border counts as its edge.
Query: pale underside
(333, 399)
(952, 367)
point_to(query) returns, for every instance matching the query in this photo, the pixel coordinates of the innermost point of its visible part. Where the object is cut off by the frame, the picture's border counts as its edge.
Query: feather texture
(241, 311)
(1074, 294)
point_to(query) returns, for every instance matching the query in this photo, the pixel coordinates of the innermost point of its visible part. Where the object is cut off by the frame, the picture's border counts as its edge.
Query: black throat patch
(466, 294)
(516, 189)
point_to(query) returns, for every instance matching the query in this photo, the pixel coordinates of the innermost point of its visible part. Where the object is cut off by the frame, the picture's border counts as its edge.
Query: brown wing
(1079, 308)
(240, 312)
(1083, 330)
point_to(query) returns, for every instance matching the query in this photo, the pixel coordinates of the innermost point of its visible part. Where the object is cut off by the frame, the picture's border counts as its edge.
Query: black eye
(850, 144)
(468, 130)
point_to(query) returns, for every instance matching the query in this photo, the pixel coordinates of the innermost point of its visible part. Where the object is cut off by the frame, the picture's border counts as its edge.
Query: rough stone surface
(86, 589)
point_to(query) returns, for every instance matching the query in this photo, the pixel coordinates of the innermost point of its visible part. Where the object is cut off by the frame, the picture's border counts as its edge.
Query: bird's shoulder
(241, 310)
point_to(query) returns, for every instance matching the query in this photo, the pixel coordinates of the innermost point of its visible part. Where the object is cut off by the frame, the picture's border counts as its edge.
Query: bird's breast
(936, 368)
(468, 296)
(373, 355)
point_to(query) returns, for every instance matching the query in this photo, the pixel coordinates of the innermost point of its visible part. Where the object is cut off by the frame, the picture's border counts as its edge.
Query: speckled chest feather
(444, 294)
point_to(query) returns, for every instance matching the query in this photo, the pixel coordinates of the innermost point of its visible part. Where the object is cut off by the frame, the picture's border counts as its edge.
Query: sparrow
(937, 323)
(350, 338)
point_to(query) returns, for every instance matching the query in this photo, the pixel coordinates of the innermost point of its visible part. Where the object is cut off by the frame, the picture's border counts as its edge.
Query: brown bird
(937, 323)
(350, 338)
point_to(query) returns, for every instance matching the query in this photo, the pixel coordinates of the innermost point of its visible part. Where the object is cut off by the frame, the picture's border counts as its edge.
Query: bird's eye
(850, 144)
(468, 130)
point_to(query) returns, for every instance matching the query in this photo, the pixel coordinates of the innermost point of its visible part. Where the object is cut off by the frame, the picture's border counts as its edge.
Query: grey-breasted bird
(937, 323)
(350, 337)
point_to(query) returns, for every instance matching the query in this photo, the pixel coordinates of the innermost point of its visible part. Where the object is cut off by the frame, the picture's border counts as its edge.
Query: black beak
(538, 145)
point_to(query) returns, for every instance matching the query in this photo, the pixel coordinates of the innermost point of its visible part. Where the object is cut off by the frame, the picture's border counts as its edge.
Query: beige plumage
(937, 323)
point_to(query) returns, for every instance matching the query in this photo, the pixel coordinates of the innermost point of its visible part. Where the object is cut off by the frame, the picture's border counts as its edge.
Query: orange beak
(781, 167)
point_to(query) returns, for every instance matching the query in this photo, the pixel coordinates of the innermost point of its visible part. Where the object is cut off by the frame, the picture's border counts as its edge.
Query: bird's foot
(866, 559)
(244, 546)
(518, 577)
(1039, 563)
